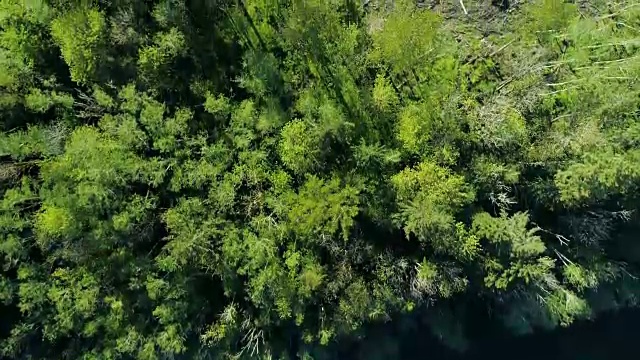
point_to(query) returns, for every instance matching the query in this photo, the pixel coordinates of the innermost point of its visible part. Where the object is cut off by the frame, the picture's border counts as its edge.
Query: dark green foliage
(265, 179)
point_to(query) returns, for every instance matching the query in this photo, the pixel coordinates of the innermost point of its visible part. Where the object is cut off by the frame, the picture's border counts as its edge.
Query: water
(613, 336)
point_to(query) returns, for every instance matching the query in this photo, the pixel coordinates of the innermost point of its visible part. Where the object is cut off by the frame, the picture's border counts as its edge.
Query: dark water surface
(613, 336)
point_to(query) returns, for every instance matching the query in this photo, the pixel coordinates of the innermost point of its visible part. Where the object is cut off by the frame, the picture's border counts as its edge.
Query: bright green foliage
(20, 41)
(519, 246)
(299, 150)
(216, 104)
(512, 231)
(323, 209)
(429, 197)
(578, 277)
(548, 16)
(600, 176)
(25, 47)
(80, 35)
(165, 48)
(262, 179)
(405, 38)
(384, 96)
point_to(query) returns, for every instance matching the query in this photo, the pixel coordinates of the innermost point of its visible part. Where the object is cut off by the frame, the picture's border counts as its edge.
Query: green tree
(265, 179)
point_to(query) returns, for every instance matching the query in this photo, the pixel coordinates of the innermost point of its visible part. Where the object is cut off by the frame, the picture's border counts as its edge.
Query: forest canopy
(236, 179)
